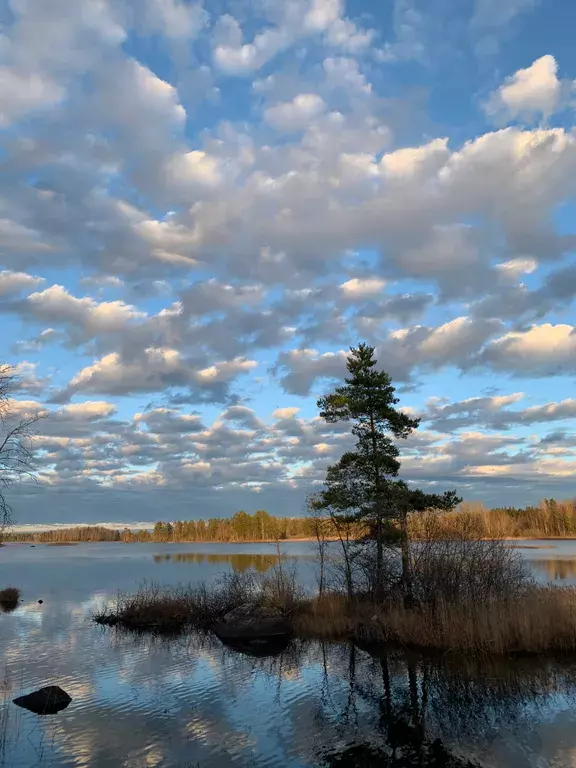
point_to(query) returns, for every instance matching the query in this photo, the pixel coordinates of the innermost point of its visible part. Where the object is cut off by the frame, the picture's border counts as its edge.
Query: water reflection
(556, 569)
(195, 700)
(141, 701)
(239, 562)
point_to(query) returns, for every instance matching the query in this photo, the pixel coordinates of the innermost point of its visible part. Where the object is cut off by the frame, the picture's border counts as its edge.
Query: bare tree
(319, 527)
(16, 454)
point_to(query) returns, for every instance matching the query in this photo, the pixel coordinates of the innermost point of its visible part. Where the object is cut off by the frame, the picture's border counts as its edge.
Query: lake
(141, 701)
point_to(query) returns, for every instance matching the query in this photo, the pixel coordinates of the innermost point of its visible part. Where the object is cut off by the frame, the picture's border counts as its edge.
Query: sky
(204, 206)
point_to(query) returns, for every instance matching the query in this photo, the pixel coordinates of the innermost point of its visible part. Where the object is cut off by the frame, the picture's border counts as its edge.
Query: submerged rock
(252, 621)
(45, 701)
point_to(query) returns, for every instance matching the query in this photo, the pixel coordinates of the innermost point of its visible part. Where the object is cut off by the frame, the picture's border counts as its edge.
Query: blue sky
(202, 207)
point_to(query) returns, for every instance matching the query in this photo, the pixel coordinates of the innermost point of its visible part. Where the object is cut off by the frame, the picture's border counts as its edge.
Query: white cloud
(22, 94)
(159, 369)
(322, 14)
(133, 92)
(55, 304)
(359, 288)
(295, 115)
(516, 267)
(174, 18)
(294, 22)
(542, 350)
(531, 91)
(16, 282)
(412, 160)
(276, 225)
(194, 170)
(102, 281)
(89, 409)
(285, 413)
(344, 72)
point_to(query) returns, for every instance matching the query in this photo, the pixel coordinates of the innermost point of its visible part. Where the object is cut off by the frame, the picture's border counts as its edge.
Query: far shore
(538, 538)
(258, 541)
(180, 541)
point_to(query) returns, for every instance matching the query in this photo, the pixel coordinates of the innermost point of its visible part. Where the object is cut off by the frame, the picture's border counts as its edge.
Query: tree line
(549, 518)
(242, 526)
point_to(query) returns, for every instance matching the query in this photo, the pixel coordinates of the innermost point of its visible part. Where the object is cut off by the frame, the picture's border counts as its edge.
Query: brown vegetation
(472, 597)
(551, 519)
(170, 609)
(542, 621)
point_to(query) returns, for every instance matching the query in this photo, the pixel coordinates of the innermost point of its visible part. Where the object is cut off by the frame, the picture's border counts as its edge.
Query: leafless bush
(458, 565)
(172, 609)
(279, 586)
(9, 598)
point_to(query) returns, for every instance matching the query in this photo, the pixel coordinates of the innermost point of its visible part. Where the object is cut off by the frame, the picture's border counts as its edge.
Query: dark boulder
(45, 701)
(252, 621)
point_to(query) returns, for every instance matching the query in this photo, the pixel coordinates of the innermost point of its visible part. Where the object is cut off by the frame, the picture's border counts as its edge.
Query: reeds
(172, 609)
(541, 621)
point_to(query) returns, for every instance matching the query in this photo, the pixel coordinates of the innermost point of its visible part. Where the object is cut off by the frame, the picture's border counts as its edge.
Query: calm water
(143, 702)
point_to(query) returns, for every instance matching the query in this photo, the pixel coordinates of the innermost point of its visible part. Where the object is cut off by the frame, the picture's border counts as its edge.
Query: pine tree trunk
(406, 564)
(379, 558)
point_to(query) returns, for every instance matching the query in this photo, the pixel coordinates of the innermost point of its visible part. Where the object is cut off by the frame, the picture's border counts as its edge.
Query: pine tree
(362, 487)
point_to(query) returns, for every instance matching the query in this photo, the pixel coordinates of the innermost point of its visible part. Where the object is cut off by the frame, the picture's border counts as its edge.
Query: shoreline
(181, 541)
(299, 539)
(538, 538)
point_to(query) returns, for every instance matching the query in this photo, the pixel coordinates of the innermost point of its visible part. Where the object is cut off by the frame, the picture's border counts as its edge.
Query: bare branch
(17, 457)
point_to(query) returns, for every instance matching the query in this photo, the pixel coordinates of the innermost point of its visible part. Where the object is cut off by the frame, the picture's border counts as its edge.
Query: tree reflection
(399, 739)
(239, 562)
(556, 569)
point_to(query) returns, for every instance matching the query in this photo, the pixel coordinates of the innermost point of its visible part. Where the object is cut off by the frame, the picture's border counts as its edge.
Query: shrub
(9, 598)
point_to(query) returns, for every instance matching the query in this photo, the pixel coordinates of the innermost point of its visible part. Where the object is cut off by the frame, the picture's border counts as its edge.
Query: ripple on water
(141, 701)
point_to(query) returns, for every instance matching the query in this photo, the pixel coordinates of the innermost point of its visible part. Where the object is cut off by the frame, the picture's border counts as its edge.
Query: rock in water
(45, 701)
(252, 621)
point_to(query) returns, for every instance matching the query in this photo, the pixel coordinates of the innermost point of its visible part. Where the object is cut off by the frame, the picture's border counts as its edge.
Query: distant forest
(550, 518)
(242, 526)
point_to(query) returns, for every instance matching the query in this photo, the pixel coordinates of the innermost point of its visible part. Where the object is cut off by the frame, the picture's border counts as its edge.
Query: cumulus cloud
(531, 91)
(542, 350)
(167, 230)
(21, 94)
(292, 23)
(296, 114)
(173, 18)
(359, 288)
(299, 368)
(17, 282)
(158, 370)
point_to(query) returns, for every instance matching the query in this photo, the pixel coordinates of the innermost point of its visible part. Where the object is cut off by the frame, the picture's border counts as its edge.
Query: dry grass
(470, 599)
(542, 621)
(330, 617)
(9, 598)
(172, 609)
